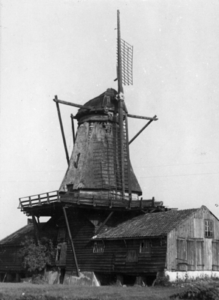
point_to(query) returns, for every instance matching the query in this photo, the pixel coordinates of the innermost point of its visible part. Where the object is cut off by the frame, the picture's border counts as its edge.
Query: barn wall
(129, 260)
(115, 256)
(123, 256)
(171, 250)
(10, 261)
(82, 231)
(189, 249)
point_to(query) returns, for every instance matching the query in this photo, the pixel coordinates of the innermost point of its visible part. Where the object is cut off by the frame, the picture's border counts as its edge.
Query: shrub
(36, 257)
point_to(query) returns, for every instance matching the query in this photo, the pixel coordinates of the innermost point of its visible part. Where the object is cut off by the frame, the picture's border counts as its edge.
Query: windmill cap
(105, 102)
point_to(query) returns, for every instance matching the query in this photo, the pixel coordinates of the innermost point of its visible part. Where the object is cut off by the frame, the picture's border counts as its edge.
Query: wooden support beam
(62, 130)
(140, 131)
(73, 128)
(36, 229)
(71, 240)
(128, 161)
(121, 139)
(144, 118)
(106, 220)
(68, 103)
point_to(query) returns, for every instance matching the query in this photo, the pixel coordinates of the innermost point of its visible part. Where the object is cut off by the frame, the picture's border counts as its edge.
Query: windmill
(99, 174)
(99, 168)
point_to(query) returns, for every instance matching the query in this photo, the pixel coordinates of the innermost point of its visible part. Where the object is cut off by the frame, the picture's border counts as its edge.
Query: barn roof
(151, 224)
(16, 237)
(19, 236)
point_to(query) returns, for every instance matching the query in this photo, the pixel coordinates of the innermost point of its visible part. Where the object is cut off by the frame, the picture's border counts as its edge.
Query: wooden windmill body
(99, 185)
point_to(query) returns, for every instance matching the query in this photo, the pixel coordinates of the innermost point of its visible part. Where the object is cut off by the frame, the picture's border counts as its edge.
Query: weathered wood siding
(189, 249)
(114, 256)
(10, 261)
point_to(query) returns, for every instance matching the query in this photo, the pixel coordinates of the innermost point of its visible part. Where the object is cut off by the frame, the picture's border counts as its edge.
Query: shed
(176, 241)
(10, 261)
(11, 267)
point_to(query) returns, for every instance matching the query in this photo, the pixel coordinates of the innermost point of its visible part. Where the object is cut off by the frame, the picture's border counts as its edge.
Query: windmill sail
(124, 75)
(126, 62)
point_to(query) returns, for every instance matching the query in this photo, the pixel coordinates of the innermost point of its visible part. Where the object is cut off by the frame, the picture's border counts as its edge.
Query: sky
(68, 48)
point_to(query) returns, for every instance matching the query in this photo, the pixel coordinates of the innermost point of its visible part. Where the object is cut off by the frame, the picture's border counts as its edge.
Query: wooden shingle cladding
(111, 256)
(188, 247)
(96, 256)
(95, 163)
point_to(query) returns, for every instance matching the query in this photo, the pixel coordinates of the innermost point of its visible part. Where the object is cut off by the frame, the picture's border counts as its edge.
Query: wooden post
(71, 240)
(62, 130)
(101, 226)
(73, 128)
(128, 161)
(35, 229)
(144, 118)
(69, 103)
(120, 104)
(5, 276)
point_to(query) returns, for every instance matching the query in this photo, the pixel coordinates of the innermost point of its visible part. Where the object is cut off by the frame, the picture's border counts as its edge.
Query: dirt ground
(28, 291)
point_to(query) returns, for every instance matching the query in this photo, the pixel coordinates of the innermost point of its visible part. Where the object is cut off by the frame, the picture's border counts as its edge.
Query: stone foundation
(85, 279)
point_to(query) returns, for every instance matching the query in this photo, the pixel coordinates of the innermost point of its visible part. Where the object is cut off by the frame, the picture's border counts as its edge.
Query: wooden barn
(10, 263)
(176, 242)
(11, 266)
(129, 248)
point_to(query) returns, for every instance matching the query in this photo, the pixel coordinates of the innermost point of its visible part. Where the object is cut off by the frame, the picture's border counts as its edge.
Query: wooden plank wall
(113, 258)
(9, 259)
(201, 253)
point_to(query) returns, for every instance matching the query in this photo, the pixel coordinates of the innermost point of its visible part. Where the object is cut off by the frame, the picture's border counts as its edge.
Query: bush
(36, 257)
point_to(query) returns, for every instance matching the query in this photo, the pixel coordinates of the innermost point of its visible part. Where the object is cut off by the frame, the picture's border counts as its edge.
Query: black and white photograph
(109, 149)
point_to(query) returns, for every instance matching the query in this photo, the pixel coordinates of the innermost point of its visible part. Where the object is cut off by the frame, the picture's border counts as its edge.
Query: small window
(144, 246)
(209, 232)
(98, 248)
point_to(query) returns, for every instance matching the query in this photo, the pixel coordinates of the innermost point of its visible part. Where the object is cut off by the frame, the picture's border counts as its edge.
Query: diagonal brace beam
(103, 224)
(62, 130)
(143, 128)
(71, 240)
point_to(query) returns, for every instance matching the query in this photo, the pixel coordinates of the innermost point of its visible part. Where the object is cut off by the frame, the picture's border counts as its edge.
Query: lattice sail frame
(126, 62)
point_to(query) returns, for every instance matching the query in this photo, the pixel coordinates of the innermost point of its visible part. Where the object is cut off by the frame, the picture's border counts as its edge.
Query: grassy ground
(28, 291)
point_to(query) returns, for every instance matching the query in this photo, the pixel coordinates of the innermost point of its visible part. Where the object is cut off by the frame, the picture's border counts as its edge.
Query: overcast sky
(68, 48)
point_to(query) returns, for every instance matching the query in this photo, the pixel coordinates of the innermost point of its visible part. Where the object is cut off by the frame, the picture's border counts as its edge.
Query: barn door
(208, 255)
(199, 255)
(191, 255)
(215, 255)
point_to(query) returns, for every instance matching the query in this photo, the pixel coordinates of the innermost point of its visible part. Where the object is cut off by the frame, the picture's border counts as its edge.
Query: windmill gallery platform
(102, 227)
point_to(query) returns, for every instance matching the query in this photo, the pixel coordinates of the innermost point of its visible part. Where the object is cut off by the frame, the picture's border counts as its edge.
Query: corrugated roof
(152, 224)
